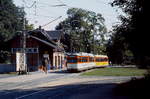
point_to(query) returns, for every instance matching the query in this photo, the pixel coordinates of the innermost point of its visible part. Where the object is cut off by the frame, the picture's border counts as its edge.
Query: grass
(115, 72)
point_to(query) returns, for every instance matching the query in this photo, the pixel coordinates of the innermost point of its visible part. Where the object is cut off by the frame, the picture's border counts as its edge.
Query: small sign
(45, 55)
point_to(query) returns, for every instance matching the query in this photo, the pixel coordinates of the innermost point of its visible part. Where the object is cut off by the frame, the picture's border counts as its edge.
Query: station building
(40, 44)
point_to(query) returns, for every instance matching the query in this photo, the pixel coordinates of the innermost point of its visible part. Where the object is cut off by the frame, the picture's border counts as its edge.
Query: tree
(29, 27)
(85, 29)
(11, 21)
(134, 29)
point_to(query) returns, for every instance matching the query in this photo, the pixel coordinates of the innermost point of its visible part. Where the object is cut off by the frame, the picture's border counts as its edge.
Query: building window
(28, 50)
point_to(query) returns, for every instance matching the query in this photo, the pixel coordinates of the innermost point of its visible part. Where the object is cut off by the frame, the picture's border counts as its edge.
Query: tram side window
(91, 59)
(84, 59)
(79, 59)
(105, 59)
(102, 59)
(72, 61)
(98, 60)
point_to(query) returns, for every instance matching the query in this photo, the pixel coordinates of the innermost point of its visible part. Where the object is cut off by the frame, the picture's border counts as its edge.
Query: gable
(55, 35)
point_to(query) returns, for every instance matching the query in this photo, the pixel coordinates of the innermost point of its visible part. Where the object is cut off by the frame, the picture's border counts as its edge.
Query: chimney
(40, 27)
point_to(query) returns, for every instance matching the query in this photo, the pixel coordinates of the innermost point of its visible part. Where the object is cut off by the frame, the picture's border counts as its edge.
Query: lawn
(115, 72)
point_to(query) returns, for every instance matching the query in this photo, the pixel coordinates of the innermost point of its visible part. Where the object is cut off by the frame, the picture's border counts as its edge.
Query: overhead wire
(57, 5)
(51, 21)
(46, 16)
(34, 6)
(25, 4)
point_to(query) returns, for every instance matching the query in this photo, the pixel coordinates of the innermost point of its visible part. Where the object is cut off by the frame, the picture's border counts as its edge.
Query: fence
(5, 68)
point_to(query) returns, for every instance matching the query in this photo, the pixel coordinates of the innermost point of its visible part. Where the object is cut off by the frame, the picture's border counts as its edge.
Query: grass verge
(115, 72)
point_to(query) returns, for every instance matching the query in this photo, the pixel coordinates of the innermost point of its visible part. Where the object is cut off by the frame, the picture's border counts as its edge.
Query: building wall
(35, 52)
(58, 60)
(32, 52)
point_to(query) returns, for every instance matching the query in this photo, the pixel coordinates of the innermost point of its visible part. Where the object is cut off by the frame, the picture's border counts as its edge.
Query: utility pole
(94, 43)
(23, 59)
(24, 43)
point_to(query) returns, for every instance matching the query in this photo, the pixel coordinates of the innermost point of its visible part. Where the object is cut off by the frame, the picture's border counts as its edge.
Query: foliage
(11, 21)
(4, 56)
(29, 27)
(86, 30)
(115, 49)
(11, 18)
(132, 31)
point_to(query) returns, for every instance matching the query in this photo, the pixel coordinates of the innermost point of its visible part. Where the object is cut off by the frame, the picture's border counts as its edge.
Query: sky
(41, 12)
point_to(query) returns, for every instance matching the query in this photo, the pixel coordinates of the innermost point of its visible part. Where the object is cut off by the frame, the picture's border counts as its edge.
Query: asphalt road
(60, 86)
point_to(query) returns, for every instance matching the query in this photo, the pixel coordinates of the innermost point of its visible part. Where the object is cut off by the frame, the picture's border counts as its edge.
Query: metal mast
(24, 41)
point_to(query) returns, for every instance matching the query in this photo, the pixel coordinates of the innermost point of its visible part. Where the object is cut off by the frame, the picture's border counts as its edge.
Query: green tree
(116, 48)
(11, 21)
(11, 18)
(133, 29)
(85, 29)
(29, 27)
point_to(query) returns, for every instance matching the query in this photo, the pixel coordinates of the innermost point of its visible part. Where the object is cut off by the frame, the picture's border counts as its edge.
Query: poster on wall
(20, 61)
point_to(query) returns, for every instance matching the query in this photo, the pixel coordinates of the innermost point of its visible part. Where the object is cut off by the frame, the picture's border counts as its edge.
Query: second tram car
(101, 61)
(84, 61)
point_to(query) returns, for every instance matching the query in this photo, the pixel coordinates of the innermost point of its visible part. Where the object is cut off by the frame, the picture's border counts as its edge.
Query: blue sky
(42, 11)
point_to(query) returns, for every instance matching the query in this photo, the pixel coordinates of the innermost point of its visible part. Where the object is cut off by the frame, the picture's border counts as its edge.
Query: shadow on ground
(65, 72)
(73, 91)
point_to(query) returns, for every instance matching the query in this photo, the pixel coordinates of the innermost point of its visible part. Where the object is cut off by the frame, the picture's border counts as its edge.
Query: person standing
(49, 64)
(44, 63)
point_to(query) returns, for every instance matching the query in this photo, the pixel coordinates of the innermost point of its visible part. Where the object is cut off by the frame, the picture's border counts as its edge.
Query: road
(59, 85)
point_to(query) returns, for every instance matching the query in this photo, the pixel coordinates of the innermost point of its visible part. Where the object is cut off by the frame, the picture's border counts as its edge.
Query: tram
(84, 61)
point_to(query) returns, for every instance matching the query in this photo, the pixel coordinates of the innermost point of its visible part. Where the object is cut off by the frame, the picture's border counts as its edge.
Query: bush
(4, 56)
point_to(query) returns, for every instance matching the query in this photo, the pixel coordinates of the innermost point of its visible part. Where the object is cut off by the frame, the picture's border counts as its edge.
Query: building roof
(48, 43)
(55, 35)
(47, 37)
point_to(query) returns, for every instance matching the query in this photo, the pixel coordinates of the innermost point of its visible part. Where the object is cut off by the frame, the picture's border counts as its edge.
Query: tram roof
(81, 54)
(86, 54)
(100, 55)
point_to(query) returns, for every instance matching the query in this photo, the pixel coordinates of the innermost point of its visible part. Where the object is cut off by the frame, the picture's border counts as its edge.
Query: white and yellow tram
(83, 61)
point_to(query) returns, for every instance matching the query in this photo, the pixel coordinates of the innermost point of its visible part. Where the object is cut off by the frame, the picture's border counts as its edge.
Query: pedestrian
(44, 64)
(49, 65)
